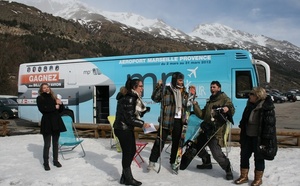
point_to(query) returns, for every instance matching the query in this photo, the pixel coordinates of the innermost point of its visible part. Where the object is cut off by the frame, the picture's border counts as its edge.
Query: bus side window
(243, 84)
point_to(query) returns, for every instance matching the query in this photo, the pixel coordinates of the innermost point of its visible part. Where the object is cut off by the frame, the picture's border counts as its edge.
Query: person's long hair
(51, 92)
(131, 84)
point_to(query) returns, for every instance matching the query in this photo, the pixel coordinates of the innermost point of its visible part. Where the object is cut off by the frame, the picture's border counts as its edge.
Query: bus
(89, 86)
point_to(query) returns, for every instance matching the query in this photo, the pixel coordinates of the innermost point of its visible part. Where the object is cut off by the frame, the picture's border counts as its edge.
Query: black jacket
(51, 120)
(267, 139)
(125, 115)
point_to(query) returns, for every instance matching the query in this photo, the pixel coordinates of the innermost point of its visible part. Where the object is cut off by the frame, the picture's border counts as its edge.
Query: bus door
(101, 104)
(243, 80)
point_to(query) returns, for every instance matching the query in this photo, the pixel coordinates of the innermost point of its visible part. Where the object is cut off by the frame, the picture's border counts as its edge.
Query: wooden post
(4, 131)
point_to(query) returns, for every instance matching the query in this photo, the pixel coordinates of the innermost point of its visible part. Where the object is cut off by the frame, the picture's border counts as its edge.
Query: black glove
(208, 128)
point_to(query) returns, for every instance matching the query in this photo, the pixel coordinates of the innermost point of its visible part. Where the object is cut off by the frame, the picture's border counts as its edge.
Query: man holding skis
(213, 130)
(173, 98)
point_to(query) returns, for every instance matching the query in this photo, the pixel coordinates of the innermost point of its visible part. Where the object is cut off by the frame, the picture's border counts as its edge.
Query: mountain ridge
(94, 35)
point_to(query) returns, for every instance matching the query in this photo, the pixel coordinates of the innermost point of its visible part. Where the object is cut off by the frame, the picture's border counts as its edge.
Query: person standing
(173, 98)
(130, 109)
(210, 127)
(51, 123)
(257, 132)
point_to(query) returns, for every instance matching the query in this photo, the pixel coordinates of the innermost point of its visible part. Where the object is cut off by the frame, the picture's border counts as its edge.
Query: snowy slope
(211, 33)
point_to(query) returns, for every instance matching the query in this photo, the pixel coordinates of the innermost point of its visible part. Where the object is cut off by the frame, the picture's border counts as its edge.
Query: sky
(21, 165)
(278, 19)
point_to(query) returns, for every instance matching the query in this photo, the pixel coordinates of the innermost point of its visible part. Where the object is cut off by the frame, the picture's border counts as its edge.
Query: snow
(21, 164)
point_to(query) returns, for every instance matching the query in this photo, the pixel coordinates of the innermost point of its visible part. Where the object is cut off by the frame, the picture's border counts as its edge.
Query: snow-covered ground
(21, 164)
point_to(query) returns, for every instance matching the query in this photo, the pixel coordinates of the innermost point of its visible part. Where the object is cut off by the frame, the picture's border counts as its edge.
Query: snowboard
(189, 132)
(191, 149)
(189, 154)
(179, 151)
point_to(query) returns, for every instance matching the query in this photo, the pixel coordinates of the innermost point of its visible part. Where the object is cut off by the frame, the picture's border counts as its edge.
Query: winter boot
(243, 177)
(57, 164)
(229, 175)
(129, 180)
(257, 178)
(122, 179)
(46, 166)
(151, 166)
(206, 163)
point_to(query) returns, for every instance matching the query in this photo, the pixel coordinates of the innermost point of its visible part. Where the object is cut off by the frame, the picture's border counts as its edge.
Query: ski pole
(207, 141)
(160, 129)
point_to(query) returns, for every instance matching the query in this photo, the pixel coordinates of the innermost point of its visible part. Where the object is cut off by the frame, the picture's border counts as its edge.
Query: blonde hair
(259, 92)
(51, 92)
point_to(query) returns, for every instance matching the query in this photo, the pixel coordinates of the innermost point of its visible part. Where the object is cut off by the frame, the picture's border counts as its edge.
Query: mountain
(209, 33)
(221, 34)
(80, 31)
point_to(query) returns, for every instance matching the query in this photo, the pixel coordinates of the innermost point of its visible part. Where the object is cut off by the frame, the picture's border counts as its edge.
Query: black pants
(176, 135)
(47, 144)
(127, 142)
(248, 147)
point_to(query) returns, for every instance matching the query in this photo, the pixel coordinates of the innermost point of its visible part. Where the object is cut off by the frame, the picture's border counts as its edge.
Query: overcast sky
(278, 19)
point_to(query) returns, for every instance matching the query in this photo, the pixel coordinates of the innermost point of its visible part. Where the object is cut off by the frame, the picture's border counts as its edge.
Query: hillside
(29, 35)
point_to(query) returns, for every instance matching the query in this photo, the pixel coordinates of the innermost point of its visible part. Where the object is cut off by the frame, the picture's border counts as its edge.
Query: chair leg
(82, 150)
(140, 147)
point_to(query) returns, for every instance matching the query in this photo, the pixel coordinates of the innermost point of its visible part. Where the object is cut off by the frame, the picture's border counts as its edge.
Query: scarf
(140, 105)
(178, 100)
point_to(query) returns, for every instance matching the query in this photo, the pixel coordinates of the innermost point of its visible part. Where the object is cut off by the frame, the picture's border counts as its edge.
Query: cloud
(255, 12)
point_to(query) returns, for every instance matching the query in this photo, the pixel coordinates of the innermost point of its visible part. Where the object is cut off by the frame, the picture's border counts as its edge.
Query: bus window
(243, 84)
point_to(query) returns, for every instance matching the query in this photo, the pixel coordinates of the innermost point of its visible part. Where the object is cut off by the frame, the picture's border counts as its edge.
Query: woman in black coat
(51, 123)
(130, 109)
(258, 135)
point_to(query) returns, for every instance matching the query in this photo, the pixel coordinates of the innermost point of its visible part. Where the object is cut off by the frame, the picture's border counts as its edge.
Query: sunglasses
(251, 93)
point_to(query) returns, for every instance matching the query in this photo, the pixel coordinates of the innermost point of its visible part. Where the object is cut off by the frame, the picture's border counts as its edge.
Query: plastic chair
(139, 147)
(114, 141)
(69, 139)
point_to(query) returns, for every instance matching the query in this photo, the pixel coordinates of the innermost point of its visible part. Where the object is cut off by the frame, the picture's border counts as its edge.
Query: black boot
(122, 179)
(129, 180)
(46, 166)
(206, 163)
(57, 164)
(229, 175)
